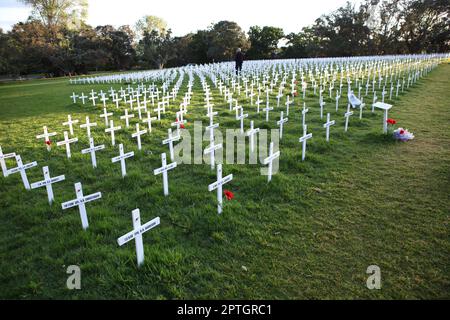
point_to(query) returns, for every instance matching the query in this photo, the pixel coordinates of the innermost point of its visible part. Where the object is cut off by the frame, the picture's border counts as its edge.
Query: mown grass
(359, 200)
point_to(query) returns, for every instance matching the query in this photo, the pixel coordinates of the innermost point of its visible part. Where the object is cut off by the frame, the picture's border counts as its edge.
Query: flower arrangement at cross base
(400, 134)
(403, 135)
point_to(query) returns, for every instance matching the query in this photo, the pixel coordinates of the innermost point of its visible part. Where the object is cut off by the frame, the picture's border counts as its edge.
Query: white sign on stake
(164, 170)
(269, 160)
(218, 186)
(136, 234)
(67, 143)
(80, 201)
(2, 161)
(92, 149)
(122, 156)
(22, 169)
(47, 182)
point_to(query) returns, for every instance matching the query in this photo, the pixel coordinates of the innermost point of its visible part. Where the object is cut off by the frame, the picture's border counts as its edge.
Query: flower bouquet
(403, 135)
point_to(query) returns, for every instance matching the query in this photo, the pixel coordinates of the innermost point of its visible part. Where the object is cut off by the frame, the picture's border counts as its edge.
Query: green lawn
(362, 199)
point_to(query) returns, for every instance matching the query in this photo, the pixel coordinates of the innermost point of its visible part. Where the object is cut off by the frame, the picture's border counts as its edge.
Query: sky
(184, 16)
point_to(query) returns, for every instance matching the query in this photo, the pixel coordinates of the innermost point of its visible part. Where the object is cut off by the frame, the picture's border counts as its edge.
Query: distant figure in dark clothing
(239, 60)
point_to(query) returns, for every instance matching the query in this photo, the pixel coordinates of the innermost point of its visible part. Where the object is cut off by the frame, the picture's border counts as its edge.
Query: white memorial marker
(252, 134)
(70, 123)
(165, 167)
(386, 107)
(304, 112)
(136, 234)
(212, 147)
(74, 97)
(347, 116)
(303, 140)
(2, 161)
(46, 137)
(22, 169)
(105, 115)
(149, 120)
(47, 182)
(112, 130)
(88, 126)
(218, 185)
(83, 98)
(138, 135)
(67, 143)
(267, 109)
(269, 160)
(122, 156)
(327, 125)
(281, 123)
(80, 201)
(92, 149)
(170, 140)
(241, 117)
(127, 118)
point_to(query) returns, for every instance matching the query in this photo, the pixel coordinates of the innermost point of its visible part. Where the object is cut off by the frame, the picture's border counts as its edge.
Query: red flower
(402, 131)
(48, 142)
(391, 121)
(182, 126)
(228, 194)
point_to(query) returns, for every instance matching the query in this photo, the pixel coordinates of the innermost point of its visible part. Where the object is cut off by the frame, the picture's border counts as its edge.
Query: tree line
(56, 40)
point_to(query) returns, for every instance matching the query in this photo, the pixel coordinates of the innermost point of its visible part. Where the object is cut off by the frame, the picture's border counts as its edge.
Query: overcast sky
(185, 16)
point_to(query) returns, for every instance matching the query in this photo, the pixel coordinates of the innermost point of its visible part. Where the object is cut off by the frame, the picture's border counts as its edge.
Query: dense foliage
(56, 40)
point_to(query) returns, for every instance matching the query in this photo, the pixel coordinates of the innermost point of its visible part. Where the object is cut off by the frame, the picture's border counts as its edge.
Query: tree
(223, 39)
(264, 42)
(149, 24)
(156, 49)
(54, 13)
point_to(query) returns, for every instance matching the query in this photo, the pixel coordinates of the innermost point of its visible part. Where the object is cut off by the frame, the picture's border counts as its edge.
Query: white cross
(159, 109)
(218, 185)
(93, 97)
(127, 118)
(241, 117)
(149, 120)
(67, 143)
(70, 123)
(112, 129)
(347, 116)
(47, 182)
(138, 135)
(337, 100)
(46, 137)
(321, 106)
(105, 115)
(267, 109)
(252, 134)
(281, 123)
(122, 156)
(164, 168)
(304, 112)
(22, 169)
(92, 149)
(74, 97)
(116, 100)
(88, 126)
(258, 102)
(83, 98)
(2, 161)
(303, 140)
(327, 125)
(170, 140)
(212, 147)
(104, 98)
(179, 122)
(81, 201)
(269, 160)
(136, 234)
(288, 103)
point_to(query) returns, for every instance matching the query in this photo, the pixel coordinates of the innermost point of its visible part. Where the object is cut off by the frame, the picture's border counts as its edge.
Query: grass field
(360, 200)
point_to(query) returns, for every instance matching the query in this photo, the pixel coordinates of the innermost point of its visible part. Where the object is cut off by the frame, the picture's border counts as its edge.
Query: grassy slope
(360, 200)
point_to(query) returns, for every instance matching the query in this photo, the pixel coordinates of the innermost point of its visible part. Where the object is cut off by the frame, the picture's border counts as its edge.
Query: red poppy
(391, 121)
(182, 126)
(228, 194)
(48, 142)
(402, 131)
